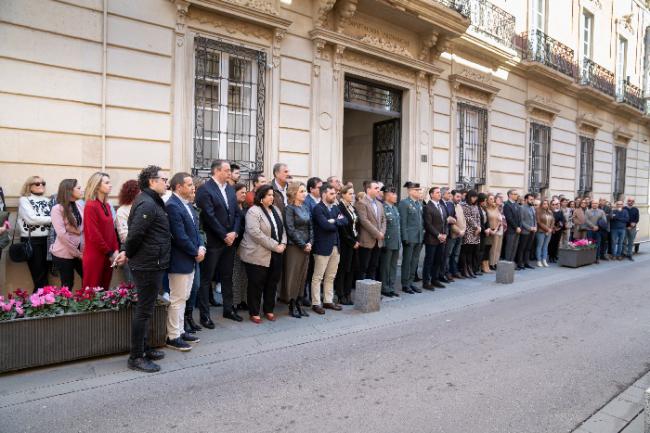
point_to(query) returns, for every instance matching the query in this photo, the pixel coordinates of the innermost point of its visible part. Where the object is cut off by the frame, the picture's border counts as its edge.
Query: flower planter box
(574, 258)
(35, 342)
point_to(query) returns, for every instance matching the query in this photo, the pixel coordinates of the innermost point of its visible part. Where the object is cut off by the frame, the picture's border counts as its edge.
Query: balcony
(630, 95)
(540, 48)
(489, 20)
(597, 82)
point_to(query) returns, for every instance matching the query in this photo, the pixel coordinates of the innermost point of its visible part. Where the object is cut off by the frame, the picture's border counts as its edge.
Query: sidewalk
(623, 414)
(232, 341)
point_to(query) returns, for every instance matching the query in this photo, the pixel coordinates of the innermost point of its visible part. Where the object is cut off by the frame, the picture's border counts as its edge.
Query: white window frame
(621, 64)
(587, 34)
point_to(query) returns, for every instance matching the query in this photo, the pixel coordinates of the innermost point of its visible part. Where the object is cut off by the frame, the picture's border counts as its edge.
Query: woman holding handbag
(101, 247)
(34, 223)
(67, 222)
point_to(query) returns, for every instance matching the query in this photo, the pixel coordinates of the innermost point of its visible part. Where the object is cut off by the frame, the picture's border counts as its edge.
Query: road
(538, 358)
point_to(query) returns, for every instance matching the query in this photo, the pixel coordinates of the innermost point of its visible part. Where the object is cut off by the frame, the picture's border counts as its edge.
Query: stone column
(180, 147)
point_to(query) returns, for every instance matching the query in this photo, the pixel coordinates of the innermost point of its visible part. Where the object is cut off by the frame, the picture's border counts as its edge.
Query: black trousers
(345, 274)
(67, 268)
(219, 258)
(38, 266)
(262, 284)
(368, 262)
(524, 247)
(554, 244)
(469, 257)
(147, 284)
(509, 251)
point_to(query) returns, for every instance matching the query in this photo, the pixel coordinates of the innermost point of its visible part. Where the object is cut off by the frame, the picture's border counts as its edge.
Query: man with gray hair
(281, 178)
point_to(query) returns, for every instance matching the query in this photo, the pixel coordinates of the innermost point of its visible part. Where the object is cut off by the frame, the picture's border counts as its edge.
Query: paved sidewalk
(622, 414)
(232, 341)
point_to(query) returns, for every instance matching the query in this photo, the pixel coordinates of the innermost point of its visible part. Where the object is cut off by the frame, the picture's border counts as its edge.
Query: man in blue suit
(327, 219)
(221, 220)
(187, 250)
(313, 188)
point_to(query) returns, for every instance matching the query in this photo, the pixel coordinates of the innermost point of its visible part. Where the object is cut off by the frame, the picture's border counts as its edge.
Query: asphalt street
(538, 356)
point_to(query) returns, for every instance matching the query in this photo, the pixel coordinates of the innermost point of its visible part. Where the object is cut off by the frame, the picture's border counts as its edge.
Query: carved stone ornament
(588, 123)
(626, 21)
(319, 55)
(266, 6)
(230, 26)
(278, 35)
(378, 66)
(321, 10)
(338, 57)
(428, 42)
(345, 10)
(182, 8)
(386, 44)
(473, 85)
(542, 107)
(622, 135)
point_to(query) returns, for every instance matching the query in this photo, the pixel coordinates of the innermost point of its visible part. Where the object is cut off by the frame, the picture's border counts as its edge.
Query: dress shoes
(318, 309)
(444, 280)
(416, 289)
(154, 355)
(332, 306)
(437, 284)
(143, 364)
(428, 286)
(232, 315)
(527, 266)
(408, 290)
(450, 278)
(207, 322)
(256, 319)
(192, 323)
(417, 279)
(458, 277)
(187, 327)
(301, 311)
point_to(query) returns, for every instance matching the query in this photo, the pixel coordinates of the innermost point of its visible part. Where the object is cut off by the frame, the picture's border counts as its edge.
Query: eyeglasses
(164, 179)
(38, 183)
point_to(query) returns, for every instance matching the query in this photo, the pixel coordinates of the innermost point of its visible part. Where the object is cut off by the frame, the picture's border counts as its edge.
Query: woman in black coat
(348, 235)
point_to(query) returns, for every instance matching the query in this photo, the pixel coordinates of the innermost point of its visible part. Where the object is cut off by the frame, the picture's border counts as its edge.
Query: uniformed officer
(412, 233)
(392, 243)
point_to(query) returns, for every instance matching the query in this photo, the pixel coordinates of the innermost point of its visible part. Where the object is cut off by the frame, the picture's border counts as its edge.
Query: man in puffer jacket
(147, 247)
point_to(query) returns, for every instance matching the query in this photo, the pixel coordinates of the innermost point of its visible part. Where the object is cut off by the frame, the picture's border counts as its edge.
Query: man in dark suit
(447, 202)
(511, 210)
(313, 190)
(327, 219)
(220, 216)
(187, 250)
(435, 236)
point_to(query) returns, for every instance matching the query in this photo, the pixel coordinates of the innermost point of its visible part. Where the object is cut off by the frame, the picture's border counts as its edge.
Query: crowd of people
(305, 244)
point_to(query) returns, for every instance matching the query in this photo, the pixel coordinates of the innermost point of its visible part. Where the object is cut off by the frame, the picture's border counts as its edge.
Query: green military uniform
(412, 233)
(390, 251)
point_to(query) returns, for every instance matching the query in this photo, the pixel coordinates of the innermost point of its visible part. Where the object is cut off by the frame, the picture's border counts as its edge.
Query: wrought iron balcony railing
(541, 48)
(630, 95)
(459, 6)
(594, 75)
(490, 20)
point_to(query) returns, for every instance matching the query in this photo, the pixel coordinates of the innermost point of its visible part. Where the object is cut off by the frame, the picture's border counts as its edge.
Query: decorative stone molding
(345, 10)
(319, 55)
(231, 26)
(182, 8)
(265, 13)
(362, 61)
(428, 42)
(266, 6)
(542, 107)
(587, 122)
(278, 35)
(626, 22)
(338, 57)
(473, 85)
(322, 9)
(385, 44)
(622, 135)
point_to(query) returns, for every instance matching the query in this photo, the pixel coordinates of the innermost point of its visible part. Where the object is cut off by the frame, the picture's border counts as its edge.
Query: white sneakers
(539, 264)
(545, 263)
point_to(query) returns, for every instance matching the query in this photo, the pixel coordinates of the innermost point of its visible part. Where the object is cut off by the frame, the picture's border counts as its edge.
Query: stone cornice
(623, 135)
(542, 105)
(246, 11)
(474, 81)
(588, 122)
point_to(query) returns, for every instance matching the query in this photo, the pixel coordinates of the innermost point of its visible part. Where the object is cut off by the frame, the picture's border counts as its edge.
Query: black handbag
(21, 251)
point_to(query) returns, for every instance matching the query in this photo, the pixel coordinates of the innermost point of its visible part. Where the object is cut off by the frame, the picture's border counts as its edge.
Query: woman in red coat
(101, 247)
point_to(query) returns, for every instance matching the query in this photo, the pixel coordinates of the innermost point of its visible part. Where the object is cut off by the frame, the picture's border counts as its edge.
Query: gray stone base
(505, 272)
(367, 296)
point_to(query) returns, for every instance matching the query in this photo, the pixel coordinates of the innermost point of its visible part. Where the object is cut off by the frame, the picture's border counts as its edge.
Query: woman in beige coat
(261, 251)
(579, 219)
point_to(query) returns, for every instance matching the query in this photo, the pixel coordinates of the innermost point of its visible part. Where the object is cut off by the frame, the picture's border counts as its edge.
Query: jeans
(596, 237)
(410, 259)
(618, 235)
(453, 254)
(630, 234)
(541, 250)
(147, 284)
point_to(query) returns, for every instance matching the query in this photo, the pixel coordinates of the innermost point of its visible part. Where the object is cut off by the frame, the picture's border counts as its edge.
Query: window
(620, 157)
(472, 145)
(228, 105)
(540, 156)
(587, 34)
(586, 165)
(621, 65)
(539, 12)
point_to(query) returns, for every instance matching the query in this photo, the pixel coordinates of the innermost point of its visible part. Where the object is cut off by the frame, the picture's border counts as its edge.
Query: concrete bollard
(505, 272)
(367, 296)
(646, 411)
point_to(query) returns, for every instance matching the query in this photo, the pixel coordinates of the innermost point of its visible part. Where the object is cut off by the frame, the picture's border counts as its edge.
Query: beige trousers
(325, 268)
(495, 250)
(180, 287)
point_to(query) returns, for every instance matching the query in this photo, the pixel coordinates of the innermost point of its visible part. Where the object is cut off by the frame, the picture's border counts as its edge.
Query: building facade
(540, 95)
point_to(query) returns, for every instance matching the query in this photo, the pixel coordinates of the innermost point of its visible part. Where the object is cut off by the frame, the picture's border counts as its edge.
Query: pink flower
(5, 307)
(35, 300)
(65, 292)
(50, 299)
(19, 310)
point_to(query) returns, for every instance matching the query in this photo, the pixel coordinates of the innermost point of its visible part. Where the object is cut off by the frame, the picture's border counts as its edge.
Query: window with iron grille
(619, 171)
(472, 145)
(229, 94)
(540, 156)
(586, 165)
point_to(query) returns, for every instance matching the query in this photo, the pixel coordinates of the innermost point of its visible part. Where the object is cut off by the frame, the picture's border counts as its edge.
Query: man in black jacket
(435, 237)
(511, 210)
(147, 247)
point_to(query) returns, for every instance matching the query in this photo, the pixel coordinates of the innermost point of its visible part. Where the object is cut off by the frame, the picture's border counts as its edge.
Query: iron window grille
(586, 165)
(360, 94)
(540, 157)
(229, 98)
(472, 145)
(620, 156)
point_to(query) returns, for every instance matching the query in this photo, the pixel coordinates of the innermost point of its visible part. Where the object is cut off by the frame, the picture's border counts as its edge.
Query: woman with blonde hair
(101, 251)
(35, 223)
(580, 219)
(496, 228)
